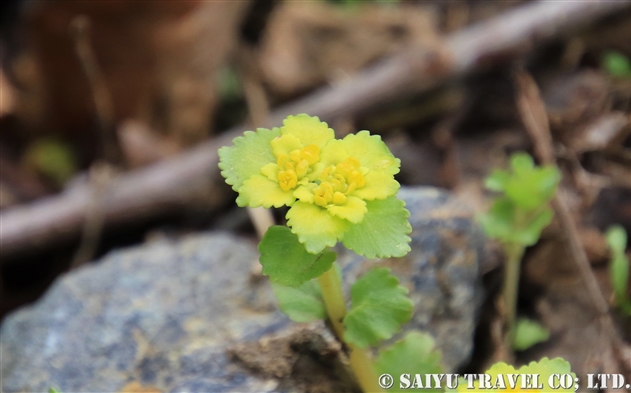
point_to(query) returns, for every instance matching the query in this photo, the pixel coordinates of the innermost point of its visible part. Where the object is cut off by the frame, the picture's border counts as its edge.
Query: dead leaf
(309, 43)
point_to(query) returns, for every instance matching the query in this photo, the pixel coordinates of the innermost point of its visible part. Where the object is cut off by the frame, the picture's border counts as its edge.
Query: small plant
(517, 218)
(619, 267)
(528, 333)
(617, 64)
(337, 191)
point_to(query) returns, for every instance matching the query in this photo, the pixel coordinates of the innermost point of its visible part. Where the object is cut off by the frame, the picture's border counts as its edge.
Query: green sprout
(529, 333)
(336, 191)
(619, 267)
(517, 218)
(617, 64)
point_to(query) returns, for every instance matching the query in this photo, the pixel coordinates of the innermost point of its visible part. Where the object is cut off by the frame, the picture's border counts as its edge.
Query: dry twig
(100, 173)
(535, 118)
(174, 183)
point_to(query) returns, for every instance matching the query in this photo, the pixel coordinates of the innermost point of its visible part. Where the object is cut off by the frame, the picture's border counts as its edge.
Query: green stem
(360, 361)
(334, 299)
(364, 371)
(514, 252)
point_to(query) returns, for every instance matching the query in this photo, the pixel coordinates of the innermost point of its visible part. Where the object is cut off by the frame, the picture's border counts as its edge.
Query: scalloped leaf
(379, 308)
(302, 304)
(416, 353)
(534, 188)
(616, 64)
(315, 227)
(544, 368)
(286, 261)
(497, 180)
(383, 232)
(248, 154)
(500, 223)
(529, 235)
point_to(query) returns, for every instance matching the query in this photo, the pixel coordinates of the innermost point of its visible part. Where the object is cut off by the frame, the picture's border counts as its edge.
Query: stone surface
(170, 315)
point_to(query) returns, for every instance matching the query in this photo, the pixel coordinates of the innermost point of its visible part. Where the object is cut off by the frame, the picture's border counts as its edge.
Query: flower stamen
(294, 166)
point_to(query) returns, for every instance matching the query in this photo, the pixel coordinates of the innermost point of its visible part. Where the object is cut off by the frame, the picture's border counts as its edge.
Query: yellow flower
(330, 185)
(266, 167)
(351, 172)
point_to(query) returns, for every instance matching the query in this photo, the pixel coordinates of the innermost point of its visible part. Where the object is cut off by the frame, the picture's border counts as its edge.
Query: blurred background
(111, 113)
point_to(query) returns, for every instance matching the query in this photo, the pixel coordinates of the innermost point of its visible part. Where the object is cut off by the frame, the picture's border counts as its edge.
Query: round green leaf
(617, 238)
(415, 354)
(619, 267)
(617, 64)
(383, 232)
(521, 162)
(379, 308)
(498, 222)
(248, 154)
(529, 333)
(302, 304)
(286, 261)
(497, 181)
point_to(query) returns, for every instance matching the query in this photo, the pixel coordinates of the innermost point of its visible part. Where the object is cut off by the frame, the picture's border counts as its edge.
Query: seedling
(617, 64)
(619, 267)
(517, 218)
(337, 191)
(529, 333)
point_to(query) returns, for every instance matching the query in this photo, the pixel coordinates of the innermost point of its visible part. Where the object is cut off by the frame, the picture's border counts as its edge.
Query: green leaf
(379, 308)
(302, 304)
(247, 156)
(383, 232)
(498, 222)
(415, 354)
(52, 158)
(521, 162)
(228, 84)
(529, 333)
(286, 261)
(497, 181)
(501, 223)
(315, 227)
(53, 390)
(530, 234)
(617, 238)
(532, 189)
(617, 64)
(619, 267)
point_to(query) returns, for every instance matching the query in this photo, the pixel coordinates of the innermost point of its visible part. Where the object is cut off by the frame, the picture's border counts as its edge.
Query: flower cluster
(337, 190)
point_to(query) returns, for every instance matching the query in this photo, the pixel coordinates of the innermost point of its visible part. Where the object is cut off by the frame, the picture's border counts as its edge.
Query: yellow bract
(303, 161)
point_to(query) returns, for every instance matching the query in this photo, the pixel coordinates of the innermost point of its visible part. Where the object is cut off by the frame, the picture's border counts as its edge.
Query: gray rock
(177, 315)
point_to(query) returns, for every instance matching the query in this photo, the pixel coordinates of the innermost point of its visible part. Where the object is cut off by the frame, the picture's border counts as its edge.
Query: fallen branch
(535, 119)
(175, 183)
